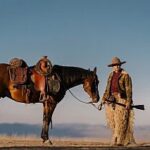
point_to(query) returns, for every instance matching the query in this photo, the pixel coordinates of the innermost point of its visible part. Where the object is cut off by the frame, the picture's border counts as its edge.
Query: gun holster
(112, 101)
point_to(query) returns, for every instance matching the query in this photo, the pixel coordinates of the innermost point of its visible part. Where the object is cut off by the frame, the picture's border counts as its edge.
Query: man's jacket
(124, 85)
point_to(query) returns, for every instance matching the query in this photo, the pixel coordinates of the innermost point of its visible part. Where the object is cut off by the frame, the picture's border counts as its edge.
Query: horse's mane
(69, 74)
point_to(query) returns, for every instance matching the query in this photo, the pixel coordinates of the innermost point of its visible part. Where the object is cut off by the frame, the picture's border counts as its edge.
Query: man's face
(116, 68)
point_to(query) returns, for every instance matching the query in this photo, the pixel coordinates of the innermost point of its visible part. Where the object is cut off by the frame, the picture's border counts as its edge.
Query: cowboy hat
(116, 61)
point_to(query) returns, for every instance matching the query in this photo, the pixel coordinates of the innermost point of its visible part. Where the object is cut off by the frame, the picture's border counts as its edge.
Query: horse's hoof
(47, 142)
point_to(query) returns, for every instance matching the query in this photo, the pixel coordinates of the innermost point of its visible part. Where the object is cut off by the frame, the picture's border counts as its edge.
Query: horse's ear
(95, 70)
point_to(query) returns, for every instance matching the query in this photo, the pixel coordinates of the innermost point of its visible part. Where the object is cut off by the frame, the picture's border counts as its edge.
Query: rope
(84, 101)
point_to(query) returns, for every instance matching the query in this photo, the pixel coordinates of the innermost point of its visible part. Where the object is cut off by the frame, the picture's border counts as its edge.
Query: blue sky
(83, 33)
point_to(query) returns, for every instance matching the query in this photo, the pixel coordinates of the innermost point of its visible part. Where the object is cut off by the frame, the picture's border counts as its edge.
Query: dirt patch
(12, 142)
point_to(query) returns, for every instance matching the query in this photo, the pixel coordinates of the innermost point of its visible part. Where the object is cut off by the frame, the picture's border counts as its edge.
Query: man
(119, 118)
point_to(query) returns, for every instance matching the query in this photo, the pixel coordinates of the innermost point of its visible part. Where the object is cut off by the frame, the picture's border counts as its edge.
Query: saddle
(18, 71)
(38, 80)
(47, 85)
(53, 84)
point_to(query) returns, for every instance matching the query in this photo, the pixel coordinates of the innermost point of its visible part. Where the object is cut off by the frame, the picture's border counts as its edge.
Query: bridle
(82, 101)
(78, 98)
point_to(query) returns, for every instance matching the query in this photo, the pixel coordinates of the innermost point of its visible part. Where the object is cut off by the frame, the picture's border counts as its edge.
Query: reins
(82, 100)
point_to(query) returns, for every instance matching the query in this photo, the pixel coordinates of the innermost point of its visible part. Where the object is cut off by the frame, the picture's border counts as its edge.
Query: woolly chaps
(121, 123)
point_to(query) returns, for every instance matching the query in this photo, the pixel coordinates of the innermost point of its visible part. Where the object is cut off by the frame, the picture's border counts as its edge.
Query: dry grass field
(67, 137)
(17, 142)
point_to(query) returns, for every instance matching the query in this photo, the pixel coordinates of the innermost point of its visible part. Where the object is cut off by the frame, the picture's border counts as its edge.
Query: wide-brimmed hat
(116, 61)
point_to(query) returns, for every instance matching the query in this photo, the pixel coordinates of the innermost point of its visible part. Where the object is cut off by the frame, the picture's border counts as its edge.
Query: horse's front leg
(48, 109)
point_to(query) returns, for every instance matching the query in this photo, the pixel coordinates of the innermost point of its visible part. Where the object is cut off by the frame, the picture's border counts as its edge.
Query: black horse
(68, 78)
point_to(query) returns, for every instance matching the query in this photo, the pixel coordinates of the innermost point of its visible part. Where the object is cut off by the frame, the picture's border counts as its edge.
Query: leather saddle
(38, 80)
(47, 85)
(18, 71)
(53, 84)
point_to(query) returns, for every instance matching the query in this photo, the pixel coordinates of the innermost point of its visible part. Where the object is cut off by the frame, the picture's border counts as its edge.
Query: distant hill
(58, 130)
(68, 130)
(19, 129)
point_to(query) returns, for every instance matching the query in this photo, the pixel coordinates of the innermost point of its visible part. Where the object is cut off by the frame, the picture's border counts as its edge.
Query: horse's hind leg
(48, 108)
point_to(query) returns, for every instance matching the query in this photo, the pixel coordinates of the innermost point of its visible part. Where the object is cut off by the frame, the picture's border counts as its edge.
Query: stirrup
(42, 97)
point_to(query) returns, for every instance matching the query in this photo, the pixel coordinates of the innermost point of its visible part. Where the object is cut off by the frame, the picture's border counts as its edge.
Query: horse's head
(90, 86)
